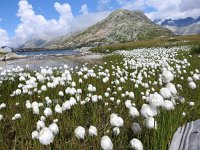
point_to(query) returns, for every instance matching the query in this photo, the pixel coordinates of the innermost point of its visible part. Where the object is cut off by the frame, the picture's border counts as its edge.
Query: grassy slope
(17, 134)
(158, 42)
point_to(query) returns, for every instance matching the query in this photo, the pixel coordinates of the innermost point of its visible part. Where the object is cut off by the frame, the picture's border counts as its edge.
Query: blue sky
(22, 20)
(9, 8)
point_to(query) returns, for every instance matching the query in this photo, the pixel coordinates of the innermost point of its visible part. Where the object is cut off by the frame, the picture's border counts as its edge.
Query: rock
(10, 56)
(5, 50)
(187, 137)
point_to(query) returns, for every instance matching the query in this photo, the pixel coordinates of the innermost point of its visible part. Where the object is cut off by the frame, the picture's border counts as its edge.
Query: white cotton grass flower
(36, 109)
(55, 120)
(1, 117)
(189, 79)
(196, 77)
(3, 105)
(28, 105)
(40, 124)
(46, 136)
(136, 128)
(58, 109)
(116, 131)
(184, 114)
(148, 111)
(151, 123)
(106, 143)
(156, 100)
(80, 132)
(167, 76)
(191, 103)
(66, 106)
(116, 121)
(165, 92)
(60, 93)
(131, 95)
(47, 112)
(192, 85)
(91, 88)
(168, 105)
(172, 88)
(128, 103)
(106, 94)
(133, 112)
(43, 118)
(18, 92)
(35, 135)
(54, 128)
(16, 116)
(92, 131)
(136, 144)
(43, 88)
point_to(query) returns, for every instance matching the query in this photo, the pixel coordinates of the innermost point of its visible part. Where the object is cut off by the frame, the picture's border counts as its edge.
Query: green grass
(195, 49)
(17, 134)
(157, 42)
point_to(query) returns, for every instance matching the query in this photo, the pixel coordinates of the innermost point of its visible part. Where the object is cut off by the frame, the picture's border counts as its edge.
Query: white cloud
(81, 22)
(132, 4)
(4, 40)
(37, 26)
(186, 5)
(103, 5)
(174, 8)
(34, 26)
(164, 8)
(84, 9)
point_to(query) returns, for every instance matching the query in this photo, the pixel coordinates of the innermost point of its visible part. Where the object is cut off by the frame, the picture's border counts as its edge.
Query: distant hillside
(187, 30)
(35, 43)
(119, 26)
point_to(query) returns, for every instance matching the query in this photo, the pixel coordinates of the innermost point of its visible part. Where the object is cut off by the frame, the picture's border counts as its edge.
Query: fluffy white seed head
(192, 85)
(80, 132)
(116, 131)
(116, 121)
(92, 131)
(54, 128)
(1, 117)
(35, 135)
(136, 144)
(16, 116)
(47, 112)
(156, 100)
(167, 76)
(168, 105)
(133, 112)
(151, 123)
(165, 92)
(148, 111)
(46, 136)
(106, 143)
(58, 109)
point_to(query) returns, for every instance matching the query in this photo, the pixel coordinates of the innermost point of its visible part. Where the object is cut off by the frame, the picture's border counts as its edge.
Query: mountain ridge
(183, 26)
(120, 26)
(182, 22)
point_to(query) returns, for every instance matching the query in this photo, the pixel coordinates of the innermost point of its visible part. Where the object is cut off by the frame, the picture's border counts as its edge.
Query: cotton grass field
(135, 100)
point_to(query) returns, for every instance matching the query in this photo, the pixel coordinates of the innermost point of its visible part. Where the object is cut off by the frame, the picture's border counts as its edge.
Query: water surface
(48, 52)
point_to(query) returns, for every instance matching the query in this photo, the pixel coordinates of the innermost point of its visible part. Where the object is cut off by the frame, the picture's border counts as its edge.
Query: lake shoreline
(80, 57)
